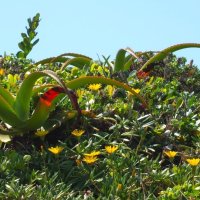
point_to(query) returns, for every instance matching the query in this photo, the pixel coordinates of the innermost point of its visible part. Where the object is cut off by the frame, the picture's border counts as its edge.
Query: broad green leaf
(22, 46)
(20, 54)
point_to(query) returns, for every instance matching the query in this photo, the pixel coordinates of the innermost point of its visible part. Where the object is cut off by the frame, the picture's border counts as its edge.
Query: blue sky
(102, 27)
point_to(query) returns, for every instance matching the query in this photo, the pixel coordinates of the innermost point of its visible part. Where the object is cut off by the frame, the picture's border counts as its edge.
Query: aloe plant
(162, 54)
(123, 62)
(15, 111)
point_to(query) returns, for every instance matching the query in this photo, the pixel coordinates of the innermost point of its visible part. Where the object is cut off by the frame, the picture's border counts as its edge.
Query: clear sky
(102, 27)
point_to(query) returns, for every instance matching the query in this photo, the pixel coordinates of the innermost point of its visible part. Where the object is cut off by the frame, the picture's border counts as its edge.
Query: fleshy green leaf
(121, 62)
(23, 98)
(162, 54)
(7, 95)
(7, 113)
(61, 58)
(78, 61)
(83, 81)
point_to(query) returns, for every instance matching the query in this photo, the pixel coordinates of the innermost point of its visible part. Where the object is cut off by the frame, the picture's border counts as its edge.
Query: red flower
(50, 95)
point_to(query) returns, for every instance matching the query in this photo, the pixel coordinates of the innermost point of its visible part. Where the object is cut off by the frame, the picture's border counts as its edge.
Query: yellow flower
(2, 71)
(170, 154)
(56, 150)
(110, 90)
(119, 186)
(80, 92)
(41, 133)
(94, 87)
(111, 149)
(93, 153)
(90, 159)
(137, 91)
(77, 132)
(193, 161)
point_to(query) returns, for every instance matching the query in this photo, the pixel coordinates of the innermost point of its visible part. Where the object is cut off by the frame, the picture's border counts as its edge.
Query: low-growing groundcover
(76, 128)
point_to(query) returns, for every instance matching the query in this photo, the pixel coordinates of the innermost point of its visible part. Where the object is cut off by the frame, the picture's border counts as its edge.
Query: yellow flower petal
(90, 159)
(193, 161)
(119, 186)
(93, 153)
(111, 149)
(170, 154)
(2, 72)
(137, 91)
(56, 150)
(41, 133)
(94, 87)
(77, 132)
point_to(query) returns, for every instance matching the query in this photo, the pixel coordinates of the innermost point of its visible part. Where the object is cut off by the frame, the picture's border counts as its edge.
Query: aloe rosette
(15, 111)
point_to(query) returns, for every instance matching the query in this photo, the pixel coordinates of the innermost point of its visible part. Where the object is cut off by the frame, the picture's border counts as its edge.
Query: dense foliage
(108, 129)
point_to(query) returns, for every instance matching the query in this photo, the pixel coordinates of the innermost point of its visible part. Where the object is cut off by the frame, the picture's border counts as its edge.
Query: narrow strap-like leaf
(7, 96)
(7, 114)
(162, 54)
(78, 61)
(61, 58)
(49, 60)
(120, 60)
(38, 118)
(22, 102)
(83, 81)
(43, 109)
(40, 88)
